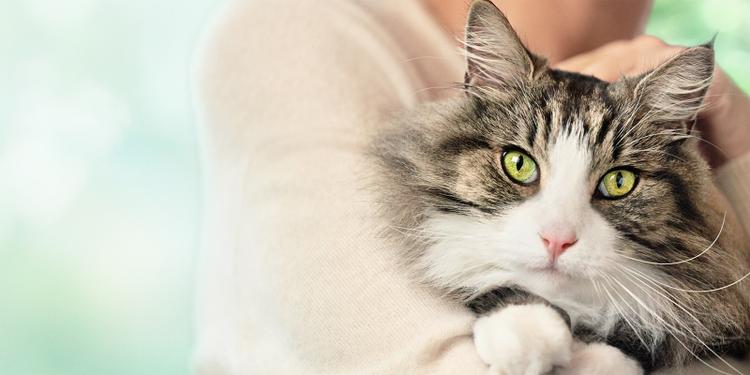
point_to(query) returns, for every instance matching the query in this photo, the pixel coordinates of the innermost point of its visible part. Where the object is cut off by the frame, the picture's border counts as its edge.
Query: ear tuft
(495, 54)
(675, 90)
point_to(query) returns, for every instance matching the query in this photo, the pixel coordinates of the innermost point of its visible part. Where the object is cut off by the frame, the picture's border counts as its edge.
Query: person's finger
(608, 64)
(581, 61)
(652, 57)
(610, 68)
(629, 60)
(576, 63)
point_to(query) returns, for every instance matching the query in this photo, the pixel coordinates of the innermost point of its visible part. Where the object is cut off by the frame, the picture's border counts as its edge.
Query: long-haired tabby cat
(567, 211)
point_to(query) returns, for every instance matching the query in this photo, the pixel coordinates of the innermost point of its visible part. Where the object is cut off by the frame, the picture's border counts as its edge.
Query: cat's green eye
(520, 167)
(617, 183)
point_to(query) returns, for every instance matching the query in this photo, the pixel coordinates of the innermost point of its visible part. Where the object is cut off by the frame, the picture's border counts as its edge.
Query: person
(294, 276)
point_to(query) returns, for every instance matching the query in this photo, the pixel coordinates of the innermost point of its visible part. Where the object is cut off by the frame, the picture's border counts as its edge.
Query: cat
(567, 212)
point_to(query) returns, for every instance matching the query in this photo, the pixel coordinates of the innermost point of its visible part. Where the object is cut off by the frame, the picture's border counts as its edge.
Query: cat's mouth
(552, 270)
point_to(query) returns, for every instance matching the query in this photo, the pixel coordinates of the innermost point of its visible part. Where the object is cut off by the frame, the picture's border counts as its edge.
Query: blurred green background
(691, 22)
(99, 185)
(99, 177)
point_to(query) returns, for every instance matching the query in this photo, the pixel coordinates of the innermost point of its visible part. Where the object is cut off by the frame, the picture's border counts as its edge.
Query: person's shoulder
(292, 26)
(322, 46)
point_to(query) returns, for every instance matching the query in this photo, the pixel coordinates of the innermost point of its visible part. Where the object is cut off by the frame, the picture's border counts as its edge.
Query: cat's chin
(556, 272)
(571, 291)
(551, 272)
(555, 280)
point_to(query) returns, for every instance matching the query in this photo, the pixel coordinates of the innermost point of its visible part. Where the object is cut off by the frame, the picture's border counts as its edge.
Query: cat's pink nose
(557, 241)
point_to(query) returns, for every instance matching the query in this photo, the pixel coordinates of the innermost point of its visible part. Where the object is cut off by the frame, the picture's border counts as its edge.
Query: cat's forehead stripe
(587, 107)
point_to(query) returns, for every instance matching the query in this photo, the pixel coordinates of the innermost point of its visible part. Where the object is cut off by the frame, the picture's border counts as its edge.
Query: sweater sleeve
(293, 276)
(734, 181)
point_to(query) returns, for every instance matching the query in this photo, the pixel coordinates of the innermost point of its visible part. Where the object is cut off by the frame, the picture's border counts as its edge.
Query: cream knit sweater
(294, 278)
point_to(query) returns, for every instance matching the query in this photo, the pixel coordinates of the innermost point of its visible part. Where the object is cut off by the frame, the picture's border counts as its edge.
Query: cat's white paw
(600, 359)
(523, 340)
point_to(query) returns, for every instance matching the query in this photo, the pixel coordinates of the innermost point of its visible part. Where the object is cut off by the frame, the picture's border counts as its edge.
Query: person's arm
(724, 124)
(294, 277)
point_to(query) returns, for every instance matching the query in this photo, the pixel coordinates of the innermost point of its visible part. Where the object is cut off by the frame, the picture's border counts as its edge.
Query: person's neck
(556, 29)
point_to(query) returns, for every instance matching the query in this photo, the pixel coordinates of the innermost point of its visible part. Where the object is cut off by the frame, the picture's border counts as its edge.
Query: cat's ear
(675, 90)
(495, 54)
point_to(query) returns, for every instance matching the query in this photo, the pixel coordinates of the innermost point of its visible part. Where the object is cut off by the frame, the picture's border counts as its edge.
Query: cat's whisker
(422, 233)
(673, 299)
(701, 359)
(716, 239)
(645, 306)
(420, 240)
(663, 303)
(657, 316)
(622, 313)
(648, 117)
(633, 112)
(674, 134)
(442, 87)
(643, 121)
(673, 332)
(466, 273)
(655, 151)
(599, 296)
(655, 135)
(640, 283)
(658, 319)
(446, 235)
(697, 290)
(705, 141)
(680, 306)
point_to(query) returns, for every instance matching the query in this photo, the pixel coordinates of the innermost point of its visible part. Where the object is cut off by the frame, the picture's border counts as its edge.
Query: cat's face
(558, 183)
(555, 185)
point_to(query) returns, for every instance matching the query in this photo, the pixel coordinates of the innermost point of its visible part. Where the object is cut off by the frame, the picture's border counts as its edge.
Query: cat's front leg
(524, 339)
(599, 359)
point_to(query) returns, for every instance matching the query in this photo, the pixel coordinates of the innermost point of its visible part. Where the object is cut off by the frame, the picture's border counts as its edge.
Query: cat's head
(557, 182)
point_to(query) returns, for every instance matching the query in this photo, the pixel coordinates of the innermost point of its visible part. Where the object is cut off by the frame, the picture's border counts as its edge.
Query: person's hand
(724, 124)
